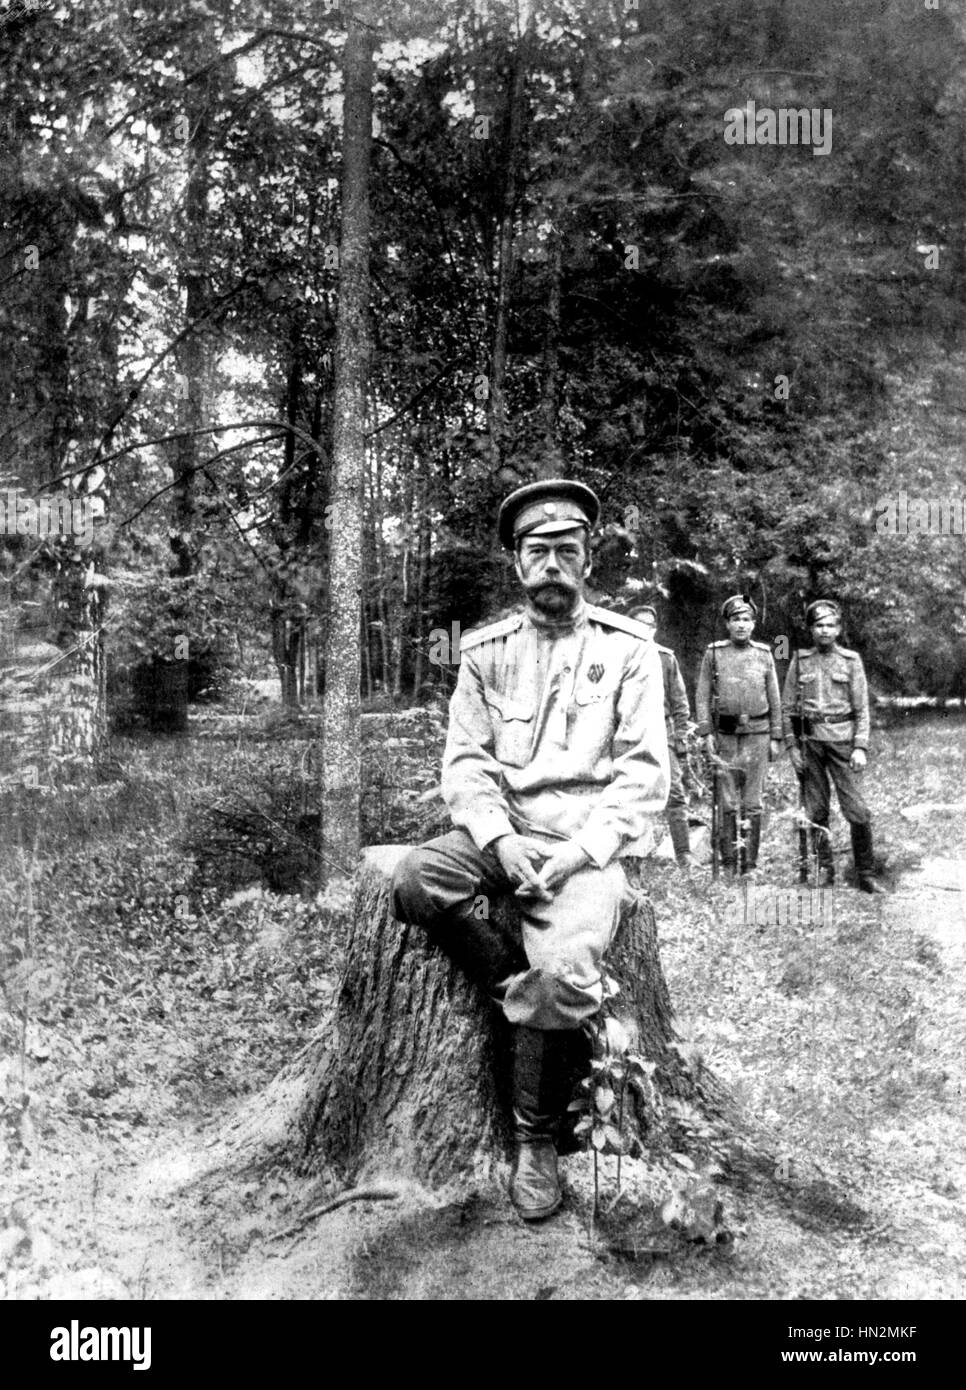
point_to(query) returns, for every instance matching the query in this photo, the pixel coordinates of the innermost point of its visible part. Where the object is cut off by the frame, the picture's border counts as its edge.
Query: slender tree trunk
(423, 543)
(341, 759)
(516, 105)
(385, 638)
(190, 362)
(404, 607)
(366, 653)
(282, 655)
(550, 388)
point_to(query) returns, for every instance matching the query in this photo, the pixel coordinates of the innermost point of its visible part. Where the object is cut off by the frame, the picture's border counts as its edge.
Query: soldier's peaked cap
(644, 610)
(546, 507)
(822, 608)
(738, 603)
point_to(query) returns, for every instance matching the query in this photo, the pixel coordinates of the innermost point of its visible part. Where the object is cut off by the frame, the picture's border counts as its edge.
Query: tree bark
(382, 570)
(423, 544)
(403, 610)
(516, 109)
(341, 764)
(191, 360)
(551, 463)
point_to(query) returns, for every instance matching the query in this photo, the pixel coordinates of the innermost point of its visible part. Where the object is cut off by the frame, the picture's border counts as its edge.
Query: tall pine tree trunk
(513, 128)
(191, 361)
(382, 617)
(341, 758)
(423, 542)
(551, 462)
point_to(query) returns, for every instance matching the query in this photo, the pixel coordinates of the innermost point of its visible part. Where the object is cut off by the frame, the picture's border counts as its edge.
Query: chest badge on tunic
(595, 672)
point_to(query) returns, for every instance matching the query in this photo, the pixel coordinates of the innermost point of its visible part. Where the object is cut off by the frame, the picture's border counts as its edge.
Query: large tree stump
(408, 1075)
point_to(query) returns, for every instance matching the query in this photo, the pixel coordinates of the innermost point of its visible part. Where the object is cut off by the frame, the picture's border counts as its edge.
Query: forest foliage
(742, 347)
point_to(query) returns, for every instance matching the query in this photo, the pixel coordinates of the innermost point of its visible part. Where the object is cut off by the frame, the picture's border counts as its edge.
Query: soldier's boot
(805, 841)
(865, 878)
(680, 838)
(822, 851)
(752, 842)
(541, 1088)
(727, 842)
(484, 953)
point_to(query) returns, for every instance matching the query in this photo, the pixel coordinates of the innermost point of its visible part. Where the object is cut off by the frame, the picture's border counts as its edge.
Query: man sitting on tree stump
(555, 758)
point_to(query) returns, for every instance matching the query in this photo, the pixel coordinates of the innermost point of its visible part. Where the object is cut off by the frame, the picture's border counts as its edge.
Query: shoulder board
(762, 646)
(665, 651)
(805, 651)
(846, 651)
(609, 619)
(490, 632)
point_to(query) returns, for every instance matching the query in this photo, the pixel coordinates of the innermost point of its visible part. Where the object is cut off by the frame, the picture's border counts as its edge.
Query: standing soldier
(826, 690)
(739, 716)
(677, 716)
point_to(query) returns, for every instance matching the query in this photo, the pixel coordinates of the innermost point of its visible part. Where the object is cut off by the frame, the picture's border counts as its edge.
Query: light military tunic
(748, 698)
(835, 696)
(557, 729)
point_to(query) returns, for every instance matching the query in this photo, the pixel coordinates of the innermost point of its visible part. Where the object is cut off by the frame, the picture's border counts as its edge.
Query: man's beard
(554, 599)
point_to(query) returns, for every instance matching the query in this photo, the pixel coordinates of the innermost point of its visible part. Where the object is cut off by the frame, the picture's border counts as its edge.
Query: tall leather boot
(752, 842)
(864, 859)
(541, 1088)
(680, 838)
(726, 841)
(482, 951)
(805, 843)
(822, 850)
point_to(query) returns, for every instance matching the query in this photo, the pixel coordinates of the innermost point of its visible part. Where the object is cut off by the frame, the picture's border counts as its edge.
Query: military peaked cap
(644, 610)
(543, 508)
(738, 603)
(822, 608)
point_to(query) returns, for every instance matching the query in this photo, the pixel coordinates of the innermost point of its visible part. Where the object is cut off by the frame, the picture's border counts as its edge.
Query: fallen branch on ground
(352, 1194)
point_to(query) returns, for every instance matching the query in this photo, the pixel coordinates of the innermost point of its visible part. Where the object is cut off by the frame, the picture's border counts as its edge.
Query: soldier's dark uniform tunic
(835, 703)
(748, 715)
(556, 730)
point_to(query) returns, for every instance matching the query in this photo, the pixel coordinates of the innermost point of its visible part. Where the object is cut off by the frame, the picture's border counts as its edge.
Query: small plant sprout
(614, 1068)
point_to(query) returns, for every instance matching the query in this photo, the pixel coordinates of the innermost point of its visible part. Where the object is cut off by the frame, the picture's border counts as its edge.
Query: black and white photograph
(483, 662)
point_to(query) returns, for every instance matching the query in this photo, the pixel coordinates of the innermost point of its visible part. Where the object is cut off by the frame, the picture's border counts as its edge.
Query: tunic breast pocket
(594, 710)
(512, 727)
(840, 688)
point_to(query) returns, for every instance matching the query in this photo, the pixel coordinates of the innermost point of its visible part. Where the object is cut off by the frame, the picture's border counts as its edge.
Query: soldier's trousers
(825, 763)
(749, 753)
(677, 800)
(440, 885)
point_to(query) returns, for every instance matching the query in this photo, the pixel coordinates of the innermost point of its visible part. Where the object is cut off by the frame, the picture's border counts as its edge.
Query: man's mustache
(537, 585)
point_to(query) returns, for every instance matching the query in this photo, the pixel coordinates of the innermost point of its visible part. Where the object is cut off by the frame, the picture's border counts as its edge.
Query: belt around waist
(738, 723)
(831, 718)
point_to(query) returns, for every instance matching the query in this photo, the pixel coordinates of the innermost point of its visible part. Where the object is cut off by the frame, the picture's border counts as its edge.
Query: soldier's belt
(803, 725)
(736, 723)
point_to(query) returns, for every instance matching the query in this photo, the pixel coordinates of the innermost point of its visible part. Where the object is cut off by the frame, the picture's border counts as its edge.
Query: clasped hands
(536, 869)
